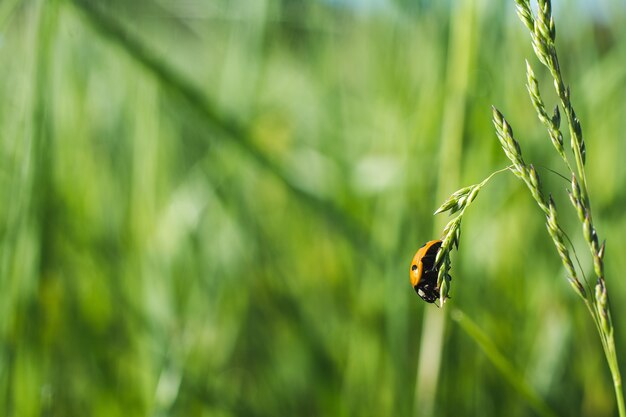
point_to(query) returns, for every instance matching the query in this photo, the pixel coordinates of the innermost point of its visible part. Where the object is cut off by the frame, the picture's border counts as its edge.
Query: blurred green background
(209, 209)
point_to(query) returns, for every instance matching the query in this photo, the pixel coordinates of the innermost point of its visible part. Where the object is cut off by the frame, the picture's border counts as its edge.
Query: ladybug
(424, 272)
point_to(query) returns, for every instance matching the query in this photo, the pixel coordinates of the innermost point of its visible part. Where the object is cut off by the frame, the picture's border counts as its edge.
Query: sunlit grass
(210, 208)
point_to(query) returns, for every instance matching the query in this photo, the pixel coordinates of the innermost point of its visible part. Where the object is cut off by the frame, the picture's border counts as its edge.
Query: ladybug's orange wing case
(428, 250)
(416, 265)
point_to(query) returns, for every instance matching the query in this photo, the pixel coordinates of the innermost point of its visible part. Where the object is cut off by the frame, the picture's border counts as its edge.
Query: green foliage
(210, 208)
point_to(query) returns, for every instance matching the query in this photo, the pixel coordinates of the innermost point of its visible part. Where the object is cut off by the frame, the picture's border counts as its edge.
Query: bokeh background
(209, 209)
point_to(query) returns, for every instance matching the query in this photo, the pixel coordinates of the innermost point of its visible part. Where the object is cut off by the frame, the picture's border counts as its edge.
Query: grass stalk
(543, 35)
(458, 73)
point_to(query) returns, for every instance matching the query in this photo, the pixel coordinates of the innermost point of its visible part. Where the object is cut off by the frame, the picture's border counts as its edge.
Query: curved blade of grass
(110, 29)
(502, 364)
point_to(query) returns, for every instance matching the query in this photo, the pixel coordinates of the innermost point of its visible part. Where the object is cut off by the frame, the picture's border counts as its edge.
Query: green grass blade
(502, 364)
